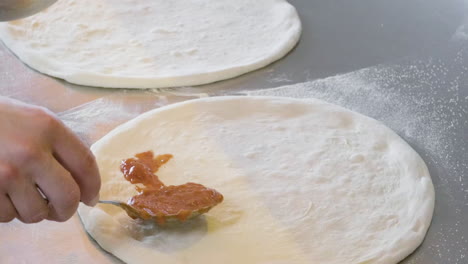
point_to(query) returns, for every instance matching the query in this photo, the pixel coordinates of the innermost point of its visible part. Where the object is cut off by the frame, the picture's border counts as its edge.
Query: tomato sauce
(155, 199)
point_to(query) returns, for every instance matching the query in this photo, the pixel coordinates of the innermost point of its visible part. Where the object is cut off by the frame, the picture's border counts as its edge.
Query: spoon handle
(131, 211)
(110, 202)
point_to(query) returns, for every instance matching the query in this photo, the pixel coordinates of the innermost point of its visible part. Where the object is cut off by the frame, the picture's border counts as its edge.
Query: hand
(39, 154)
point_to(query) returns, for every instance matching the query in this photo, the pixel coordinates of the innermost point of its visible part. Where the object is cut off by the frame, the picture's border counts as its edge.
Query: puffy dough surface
(157, 43)
(304, 181)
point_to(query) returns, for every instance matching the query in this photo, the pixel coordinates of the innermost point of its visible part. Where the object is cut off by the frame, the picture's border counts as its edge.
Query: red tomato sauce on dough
(157, 200)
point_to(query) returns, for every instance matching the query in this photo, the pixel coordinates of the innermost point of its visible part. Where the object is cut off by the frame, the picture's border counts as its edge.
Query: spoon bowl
(135, 213)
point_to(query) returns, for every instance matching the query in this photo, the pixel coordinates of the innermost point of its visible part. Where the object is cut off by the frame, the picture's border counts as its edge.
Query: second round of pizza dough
(150, 44)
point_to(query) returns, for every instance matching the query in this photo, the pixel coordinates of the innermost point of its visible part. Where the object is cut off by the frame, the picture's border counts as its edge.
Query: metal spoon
(136, 213)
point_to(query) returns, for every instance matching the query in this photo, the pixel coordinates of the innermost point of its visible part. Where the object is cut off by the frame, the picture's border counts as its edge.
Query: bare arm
(40, 154)
(15, 9)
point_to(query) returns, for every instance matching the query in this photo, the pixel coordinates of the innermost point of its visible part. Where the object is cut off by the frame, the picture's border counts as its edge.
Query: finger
(29, 203)
(61, 190)
(7, 210)
(76, 157)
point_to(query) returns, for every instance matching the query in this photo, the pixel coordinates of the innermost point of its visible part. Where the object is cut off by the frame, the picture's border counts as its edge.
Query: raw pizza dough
(304, 181)
(157, 43)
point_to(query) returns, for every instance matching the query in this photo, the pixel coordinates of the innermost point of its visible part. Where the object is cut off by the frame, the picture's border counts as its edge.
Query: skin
(45, 170)
(38, 152)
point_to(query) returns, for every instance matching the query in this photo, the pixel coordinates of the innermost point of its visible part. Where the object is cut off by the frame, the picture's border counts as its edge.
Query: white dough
(304, 181)
(156, 43)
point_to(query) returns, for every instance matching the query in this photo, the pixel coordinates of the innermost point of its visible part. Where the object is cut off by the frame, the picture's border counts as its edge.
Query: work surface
(405, 63)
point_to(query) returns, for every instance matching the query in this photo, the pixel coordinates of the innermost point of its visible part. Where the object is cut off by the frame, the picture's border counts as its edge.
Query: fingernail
(94, 201)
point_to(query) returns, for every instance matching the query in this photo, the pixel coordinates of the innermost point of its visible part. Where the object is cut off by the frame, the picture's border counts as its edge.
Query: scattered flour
(93, 120)
(425, 101)
(422, 101)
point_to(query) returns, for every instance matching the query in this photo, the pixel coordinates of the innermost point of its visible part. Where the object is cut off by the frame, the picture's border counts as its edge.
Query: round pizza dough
(304, 181)
(157, 43)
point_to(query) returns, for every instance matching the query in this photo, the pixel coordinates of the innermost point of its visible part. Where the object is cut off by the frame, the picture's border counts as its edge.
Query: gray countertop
(403, 62)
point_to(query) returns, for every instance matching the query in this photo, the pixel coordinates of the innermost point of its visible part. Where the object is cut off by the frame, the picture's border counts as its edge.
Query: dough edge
(394, 254)
(41, 64)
